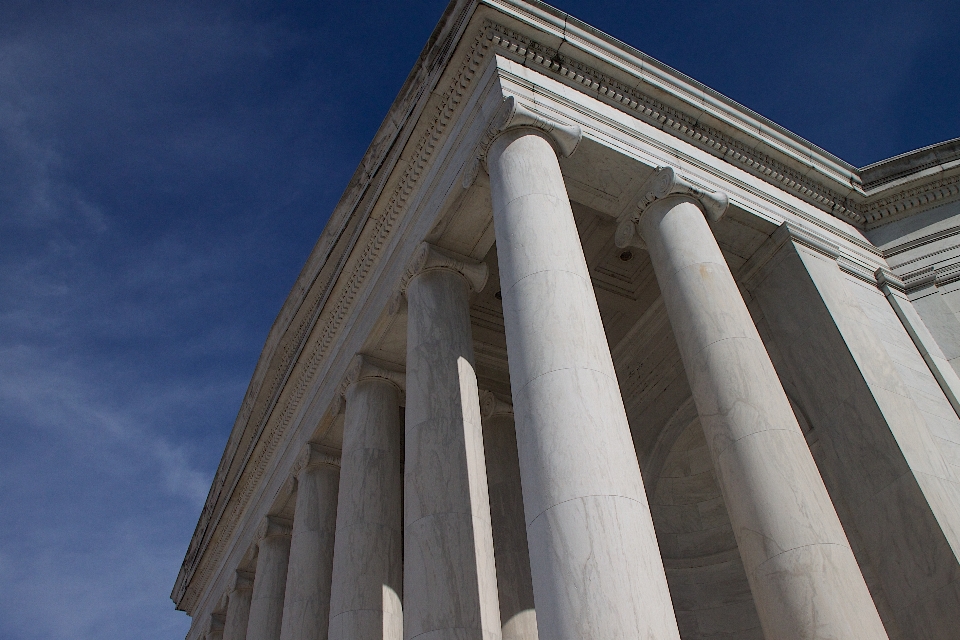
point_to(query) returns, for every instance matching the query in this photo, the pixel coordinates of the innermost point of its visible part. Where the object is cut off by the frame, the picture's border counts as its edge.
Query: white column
(266, 602)
(449, 576)
(518, 617)
(306, 602)
(368, 557)
(214, 630)
(594, 558)
(238, 606)
(804, 577)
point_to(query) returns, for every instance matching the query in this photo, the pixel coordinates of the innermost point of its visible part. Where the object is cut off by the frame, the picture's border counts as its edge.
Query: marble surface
(805, 580)
(238, 607)
(514, 584)
(269, 582)
(707, 580)
(306, 603)
(855, 375)
(593, 553)
(368, 560)
(449, 573)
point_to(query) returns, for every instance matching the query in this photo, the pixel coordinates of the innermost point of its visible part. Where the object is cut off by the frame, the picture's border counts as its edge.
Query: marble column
(266, 602)
(214, 630)
(518, 618)
(238, 606)
(449, 576)
(368, 556)
(306, 601)
(594, 558)
(802, 572)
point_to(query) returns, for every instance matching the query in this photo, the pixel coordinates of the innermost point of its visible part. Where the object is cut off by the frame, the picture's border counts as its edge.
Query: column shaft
(804, 577)
(368, 557)
(594, 558)
(269, 582)
(306, 603)
(449, 577)
(514, 584)
(238, 607)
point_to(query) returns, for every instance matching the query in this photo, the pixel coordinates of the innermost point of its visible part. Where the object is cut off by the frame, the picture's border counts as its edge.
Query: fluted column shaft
(238, 607)
(306, 603)
(449, 577)
(595, 562)
(368, 556)
(518, 617)
(804, 578)
(269, 582)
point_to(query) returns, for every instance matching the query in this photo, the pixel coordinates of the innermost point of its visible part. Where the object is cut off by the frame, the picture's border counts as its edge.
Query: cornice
(669, 118)
(754, 270)
(838, 192)
(895, 168)
(203, 557)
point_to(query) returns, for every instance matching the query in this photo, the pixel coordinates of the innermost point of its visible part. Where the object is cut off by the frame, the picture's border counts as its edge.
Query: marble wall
(882, 426)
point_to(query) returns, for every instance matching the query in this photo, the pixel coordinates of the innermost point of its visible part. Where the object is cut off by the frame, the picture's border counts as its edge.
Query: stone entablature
(492, 67)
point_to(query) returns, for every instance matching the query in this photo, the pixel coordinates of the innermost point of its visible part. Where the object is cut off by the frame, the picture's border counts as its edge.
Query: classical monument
(590, 351)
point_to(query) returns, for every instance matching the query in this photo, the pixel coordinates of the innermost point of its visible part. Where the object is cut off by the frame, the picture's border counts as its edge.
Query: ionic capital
(214, 627)
(664, 183)
(242, 581)
(428, 257)
(273, 526)
(491, 405)
(314, 456)
(512, 115)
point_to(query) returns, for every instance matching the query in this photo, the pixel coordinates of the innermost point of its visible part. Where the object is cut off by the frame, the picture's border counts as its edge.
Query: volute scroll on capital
(491, 405)
(510, 115)
(427, 257)
(314, 456)
(242, 581)
(666, 182)
(214, 626)
(272, 526)
(364, 367)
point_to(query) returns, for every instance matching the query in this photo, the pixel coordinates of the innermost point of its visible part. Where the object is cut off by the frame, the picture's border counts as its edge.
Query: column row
(425, 532)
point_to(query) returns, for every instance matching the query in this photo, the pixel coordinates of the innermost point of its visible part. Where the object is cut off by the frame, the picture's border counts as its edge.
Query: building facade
(588, 350)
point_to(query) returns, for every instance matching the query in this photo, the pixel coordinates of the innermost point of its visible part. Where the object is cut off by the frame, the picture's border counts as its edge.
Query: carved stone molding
(491, 405)
(314, 456)
(915, 281)
(222, 512)
(214, 626)
(565, 138)
(364, 367)
(848, 201)
(755, 269)
(666, 182)
(272, 526)
(427, 257)
(242, 581)
(688, 126)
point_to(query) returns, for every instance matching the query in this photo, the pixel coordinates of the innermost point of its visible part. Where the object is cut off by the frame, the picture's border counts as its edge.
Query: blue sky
(165, 168)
